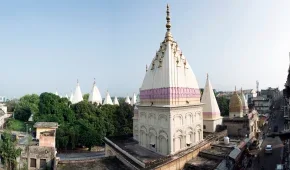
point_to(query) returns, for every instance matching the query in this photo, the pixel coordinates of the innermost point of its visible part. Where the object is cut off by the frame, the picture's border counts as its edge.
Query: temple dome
(235, 107)
(169, 80)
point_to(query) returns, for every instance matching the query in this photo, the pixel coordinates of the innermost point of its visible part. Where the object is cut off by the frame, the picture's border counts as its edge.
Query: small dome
(236, 103)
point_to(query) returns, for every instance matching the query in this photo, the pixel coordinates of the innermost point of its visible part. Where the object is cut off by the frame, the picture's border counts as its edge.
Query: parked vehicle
(268, 149)
(279, 167)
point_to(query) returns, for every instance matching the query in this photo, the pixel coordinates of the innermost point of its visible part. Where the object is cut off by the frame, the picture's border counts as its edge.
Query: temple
(127, 100)
(211, 112)
(133, 100)
(108, 99)
(116, 102)
(244, 102)
(95, 96)
(77, 96)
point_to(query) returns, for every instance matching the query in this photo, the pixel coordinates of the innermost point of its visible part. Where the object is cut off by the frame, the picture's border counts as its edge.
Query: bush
(22, 114)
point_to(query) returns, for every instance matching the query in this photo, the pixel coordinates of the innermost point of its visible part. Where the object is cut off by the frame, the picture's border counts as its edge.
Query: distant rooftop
(46, 125)
(201, 163)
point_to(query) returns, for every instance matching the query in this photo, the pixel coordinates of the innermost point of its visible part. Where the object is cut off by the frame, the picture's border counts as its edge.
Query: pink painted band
(170, 92)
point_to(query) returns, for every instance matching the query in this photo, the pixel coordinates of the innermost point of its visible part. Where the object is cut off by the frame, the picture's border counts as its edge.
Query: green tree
(86, 97)
(26, 106)
(8, 150)
(223, 105)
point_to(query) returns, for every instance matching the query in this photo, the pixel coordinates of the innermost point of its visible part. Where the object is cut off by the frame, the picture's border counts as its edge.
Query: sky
(47, 45)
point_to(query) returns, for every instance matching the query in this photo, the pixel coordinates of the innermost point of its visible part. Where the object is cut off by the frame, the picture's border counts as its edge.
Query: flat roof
(132, 147)
(201, 163)
(45, 125)
(217, 151)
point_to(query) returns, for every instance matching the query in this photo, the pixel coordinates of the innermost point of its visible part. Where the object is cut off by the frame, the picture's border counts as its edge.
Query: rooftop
(201, 163)
(46, 125)
(132, 147)
(217, 151)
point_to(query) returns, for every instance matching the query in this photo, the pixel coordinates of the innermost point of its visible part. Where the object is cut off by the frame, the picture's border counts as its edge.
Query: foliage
(11, 105)
(17, 125)
(83, 124)
(8, 150)
(26, 106)
(86, 97)
(223, 103)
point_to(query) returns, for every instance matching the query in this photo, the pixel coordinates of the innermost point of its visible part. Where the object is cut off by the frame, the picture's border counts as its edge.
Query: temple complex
(133, 100)
(127, 100)
(211, 112)
(241, 122)
(116, 102)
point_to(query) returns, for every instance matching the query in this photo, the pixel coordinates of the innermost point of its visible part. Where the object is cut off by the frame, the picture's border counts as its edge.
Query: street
(269, 162)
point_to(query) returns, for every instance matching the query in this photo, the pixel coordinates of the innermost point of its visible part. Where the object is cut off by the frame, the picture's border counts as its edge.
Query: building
(116, 102)
(262, 104)
(108, 99)
(240, 124)
(271, 93)
(95, 95)
(211, 112)
(249, 94)
(77, 96)
(39, 154)
(2, 99)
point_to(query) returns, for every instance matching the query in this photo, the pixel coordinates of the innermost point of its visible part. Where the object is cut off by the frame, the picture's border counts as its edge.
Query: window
(42, 163)
(32, 162)
(204, 127)
(153, 145)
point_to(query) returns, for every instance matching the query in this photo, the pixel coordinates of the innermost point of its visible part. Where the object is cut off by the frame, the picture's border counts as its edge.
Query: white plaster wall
(153, 125)
(170, 129)
(187, 125)
(210, 125)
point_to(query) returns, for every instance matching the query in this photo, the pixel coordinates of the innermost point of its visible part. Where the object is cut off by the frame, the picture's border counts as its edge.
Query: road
(270, 161)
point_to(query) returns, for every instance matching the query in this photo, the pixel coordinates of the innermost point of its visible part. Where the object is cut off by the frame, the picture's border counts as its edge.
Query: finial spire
(206, 75)
(168, 36)
(235, 88)
(168, 25)
(146, 68)
(94, 80)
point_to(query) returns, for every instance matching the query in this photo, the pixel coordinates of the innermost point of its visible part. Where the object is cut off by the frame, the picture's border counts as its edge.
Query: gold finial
(146, 68)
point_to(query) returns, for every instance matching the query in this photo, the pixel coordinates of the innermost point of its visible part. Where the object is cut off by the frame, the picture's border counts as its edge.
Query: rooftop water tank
(226, 140)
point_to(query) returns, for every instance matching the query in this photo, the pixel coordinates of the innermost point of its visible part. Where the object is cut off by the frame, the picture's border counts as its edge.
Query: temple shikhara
(172, 124)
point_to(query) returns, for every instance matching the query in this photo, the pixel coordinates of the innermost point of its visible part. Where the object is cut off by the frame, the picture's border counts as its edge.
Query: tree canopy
(81, 124)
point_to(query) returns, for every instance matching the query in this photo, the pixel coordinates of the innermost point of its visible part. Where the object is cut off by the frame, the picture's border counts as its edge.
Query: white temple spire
(95, 95)
(108, 99)
(116, 102)
(71, 96)
(244, 102)
(56, 93)
(133, 100)
(127, 100)
(211, 111)
(66, 96)
(77, 97)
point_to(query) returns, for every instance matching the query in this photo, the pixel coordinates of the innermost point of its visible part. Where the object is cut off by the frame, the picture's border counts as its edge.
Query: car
(268, 149)
(279, 167)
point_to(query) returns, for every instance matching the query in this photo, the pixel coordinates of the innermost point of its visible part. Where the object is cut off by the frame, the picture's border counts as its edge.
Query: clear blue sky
(46, 45)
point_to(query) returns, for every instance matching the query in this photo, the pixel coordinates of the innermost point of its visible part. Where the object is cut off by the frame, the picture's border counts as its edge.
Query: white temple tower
(170, 112)
(127, 100)
(77, 97)
(95, 95)
(211, 112)
(108, 99)
(244, 103)
(116, 102)
(133, 100)
(71, 96)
